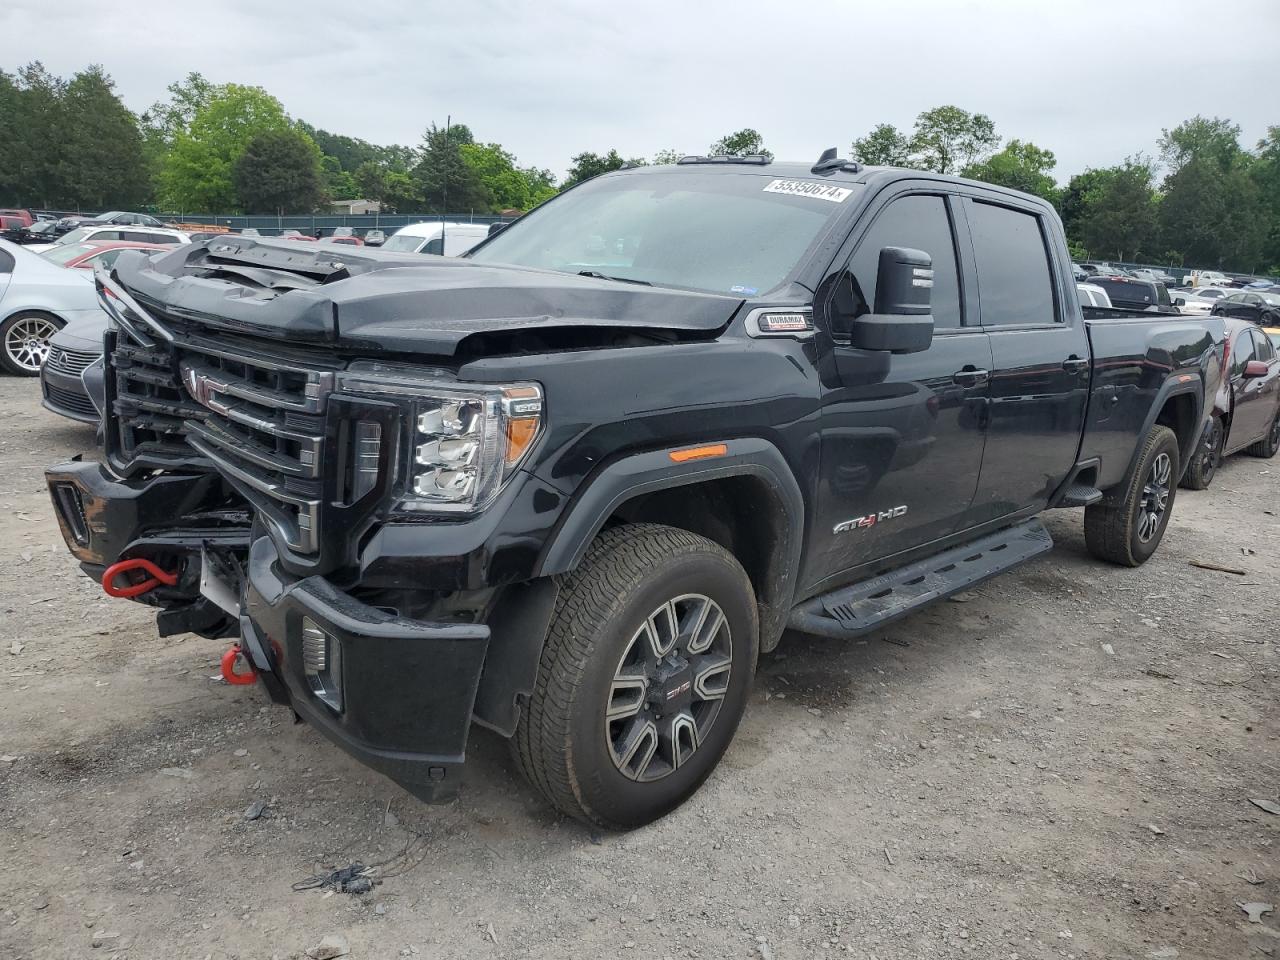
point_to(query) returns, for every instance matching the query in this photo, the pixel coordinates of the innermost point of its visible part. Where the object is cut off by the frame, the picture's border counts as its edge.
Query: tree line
(1205, 199)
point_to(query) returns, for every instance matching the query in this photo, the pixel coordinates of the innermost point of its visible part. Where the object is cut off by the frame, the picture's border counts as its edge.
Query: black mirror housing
(497, 227)
(903, 319)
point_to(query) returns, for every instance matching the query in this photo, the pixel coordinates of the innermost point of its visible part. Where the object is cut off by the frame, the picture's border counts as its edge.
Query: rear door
(1040, 353)
(901, 434)
(1255, 397)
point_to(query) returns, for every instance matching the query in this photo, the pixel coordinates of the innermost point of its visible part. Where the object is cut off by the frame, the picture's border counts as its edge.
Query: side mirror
(1254, 369)
(497, 228)
(902, 321)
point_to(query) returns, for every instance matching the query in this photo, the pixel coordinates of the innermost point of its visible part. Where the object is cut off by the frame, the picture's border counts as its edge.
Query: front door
(1255, 397)
(1040, 353)
(902, 434)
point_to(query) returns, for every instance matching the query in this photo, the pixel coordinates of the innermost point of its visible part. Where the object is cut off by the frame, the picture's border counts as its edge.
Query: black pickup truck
(572, 486)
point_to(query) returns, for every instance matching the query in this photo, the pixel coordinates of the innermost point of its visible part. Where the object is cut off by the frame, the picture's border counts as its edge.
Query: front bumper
(406, 688)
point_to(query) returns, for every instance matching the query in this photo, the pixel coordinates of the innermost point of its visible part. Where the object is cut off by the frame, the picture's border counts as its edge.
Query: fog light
(322, 663)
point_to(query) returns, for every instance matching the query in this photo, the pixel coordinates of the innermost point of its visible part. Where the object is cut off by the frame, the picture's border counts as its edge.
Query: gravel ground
(1060, 765)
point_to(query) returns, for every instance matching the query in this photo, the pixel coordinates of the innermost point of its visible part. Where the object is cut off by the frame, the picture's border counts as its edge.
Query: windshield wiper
(604, 276)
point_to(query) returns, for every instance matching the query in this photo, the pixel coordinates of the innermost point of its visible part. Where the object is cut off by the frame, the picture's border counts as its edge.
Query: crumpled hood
(376, 300)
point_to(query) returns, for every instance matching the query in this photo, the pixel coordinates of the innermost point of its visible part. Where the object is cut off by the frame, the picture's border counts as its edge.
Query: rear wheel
(1268, 445)
(1206, 458)
(24, 342)
(1126, 526)
(643, 678)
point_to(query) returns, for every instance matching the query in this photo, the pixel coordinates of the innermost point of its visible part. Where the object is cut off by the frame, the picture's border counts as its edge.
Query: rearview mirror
(902, 321)
(1254, 369)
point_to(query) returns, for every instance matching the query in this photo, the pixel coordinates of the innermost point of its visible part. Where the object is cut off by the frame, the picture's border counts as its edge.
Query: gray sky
(1092, 81)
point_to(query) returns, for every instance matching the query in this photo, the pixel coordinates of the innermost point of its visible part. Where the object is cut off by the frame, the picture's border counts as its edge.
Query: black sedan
(1260, 308)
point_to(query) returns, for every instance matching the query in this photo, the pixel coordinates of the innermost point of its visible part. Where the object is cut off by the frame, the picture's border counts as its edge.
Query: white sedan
(37, 299)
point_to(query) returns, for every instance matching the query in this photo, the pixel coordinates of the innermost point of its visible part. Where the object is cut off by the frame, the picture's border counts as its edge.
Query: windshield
(729, 233)
(403, 242)
(76, 235)
(65, 253)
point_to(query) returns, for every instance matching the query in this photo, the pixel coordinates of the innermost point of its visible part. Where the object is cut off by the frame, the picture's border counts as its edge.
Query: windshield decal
(805, 188)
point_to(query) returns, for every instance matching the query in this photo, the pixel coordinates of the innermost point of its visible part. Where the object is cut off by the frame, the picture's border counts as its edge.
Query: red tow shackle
(229, 667)
(156, 578)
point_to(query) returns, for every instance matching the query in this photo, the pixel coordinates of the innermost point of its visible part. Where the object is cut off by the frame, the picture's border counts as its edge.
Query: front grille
(251, 413)
(72, 362)
(67, 400)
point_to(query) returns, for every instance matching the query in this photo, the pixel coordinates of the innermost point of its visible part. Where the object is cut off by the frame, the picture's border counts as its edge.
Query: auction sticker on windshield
(806, 188)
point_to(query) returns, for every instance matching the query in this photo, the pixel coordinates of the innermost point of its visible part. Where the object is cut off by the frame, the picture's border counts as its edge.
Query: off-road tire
(1268, 445)
(1206, 458)
(1111, 526)
(561, 744)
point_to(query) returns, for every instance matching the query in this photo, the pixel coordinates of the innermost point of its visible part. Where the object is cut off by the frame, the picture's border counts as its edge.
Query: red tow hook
(157, 577)
(229, 667)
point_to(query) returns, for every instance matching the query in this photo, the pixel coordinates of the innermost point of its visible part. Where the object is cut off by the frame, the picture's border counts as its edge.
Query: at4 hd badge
(869, 520)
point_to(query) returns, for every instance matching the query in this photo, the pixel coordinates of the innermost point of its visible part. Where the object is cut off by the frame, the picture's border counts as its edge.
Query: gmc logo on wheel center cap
(672, 694)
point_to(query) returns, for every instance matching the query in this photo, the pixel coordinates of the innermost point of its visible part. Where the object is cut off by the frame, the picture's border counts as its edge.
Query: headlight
(464, 440)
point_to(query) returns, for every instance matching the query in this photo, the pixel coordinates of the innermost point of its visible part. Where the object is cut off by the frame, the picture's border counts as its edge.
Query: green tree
(338, 184)
(587, 165)
(196, 173)
(444, 178)
(1079, 193)
(745, 142)
(884, 146)
(1119, 221)
(1265, 172)
(1215, 140)
(102, 162)
(506, 187)
(948, 138)
(402, 194)
(279, 172)
(39, 123)
(371, 180)
(1021, 165)
(666, 157)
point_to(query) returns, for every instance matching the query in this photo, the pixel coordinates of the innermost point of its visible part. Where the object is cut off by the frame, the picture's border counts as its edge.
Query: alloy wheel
(1211, 451)
(27, 342)
(668, 687)
(1155, 498)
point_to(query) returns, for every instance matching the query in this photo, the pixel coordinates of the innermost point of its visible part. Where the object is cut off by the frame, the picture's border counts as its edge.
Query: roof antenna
(828, 155)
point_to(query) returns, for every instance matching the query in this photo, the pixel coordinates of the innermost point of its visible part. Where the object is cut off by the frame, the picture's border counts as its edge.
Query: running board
(854, 610)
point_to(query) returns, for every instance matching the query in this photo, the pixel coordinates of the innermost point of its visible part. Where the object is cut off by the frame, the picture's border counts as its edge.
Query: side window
(106, 258)
(1162, 294)
(156, 238)
(107, 235)
(435, 246)
(6, 261)
(922, 223)
(1242, 352)
(1015, 282)
(1262, 346)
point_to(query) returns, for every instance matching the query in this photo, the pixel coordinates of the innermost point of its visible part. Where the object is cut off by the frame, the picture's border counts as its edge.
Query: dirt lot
(1059, 766)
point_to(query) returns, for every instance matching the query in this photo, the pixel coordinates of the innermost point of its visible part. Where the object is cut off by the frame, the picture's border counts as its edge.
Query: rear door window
(920, 222)
(1015, 280)
(1262, 346)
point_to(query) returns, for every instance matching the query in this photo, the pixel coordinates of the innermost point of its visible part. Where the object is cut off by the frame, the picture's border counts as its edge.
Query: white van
(425, 238)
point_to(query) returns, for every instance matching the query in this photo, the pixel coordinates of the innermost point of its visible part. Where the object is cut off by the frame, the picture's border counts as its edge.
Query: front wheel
(643, 678)
(1126, 526)
(24, 342)
(1206, 458)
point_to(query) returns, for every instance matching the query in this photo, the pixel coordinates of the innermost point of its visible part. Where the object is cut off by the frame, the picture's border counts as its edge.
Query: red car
(23, 215)
(12, 223)
(86, 256)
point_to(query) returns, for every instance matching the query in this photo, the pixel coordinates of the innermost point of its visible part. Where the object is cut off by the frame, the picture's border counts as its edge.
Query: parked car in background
(1102, 270)
(67, 224)
(1207, 293)
(127, 219)
(37, 299)
(1134, 294)
(375, 238)
(1260, 308)
(86, 256)
(1209, 278)
(1092, 295)
(1155, 276)
(42, 231)
(1187, 302)
(1078, 273)
(425, 238)
(24, 215)
(345, 239)
(11, 227)
(161, 235)
(296, 235)
(1247, 407)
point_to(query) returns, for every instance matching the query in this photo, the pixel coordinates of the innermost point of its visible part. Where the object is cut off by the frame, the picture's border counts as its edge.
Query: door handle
(970, 377)
(1074, 364)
